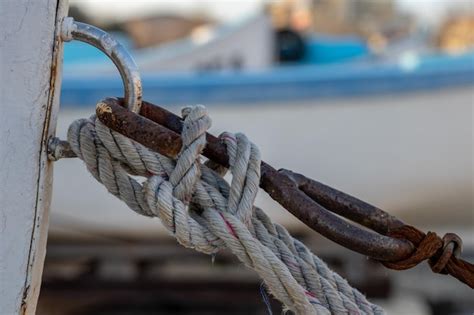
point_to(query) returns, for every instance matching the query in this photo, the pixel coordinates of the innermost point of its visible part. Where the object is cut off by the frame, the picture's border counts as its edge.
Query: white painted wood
(29, 85)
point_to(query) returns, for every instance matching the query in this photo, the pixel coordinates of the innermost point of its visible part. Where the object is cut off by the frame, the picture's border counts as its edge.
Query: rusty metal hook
(313, 203)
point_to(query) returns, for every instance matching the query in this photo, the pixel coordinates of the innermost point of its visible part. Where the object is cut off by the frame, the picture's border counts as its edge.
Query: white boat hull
(409, 154)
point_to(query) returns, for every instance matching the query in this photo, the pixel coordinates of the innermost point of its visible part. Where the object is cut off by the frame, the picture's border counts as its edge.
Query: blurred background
(374, 98)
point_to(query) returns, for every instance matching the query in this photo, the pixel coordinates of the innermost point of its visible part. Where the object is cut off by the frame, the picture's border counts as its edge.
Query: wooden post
(30, 68)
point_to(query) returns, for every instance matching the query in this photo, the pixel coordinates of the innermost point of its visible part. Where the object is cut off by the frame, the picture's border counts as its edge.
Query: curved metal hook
(114, 50)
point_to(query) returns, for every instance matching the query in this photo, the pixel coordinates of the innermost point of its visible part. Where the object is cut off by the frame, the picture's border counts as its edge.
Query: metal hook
(115, 51)
(159, 130)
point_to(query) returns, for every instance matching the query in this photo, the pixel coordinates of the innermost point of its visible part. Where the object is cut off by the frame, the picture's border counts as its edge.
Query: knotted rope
(205, 213)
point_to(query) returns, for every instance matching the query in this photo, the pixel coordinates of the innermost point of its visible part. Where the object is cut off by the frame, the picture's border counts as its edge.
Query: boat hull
(410, 154)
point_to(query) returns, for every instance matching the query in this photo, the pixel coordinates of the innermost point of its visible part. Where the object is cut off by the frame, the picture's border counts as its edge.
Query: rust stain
(24, 304)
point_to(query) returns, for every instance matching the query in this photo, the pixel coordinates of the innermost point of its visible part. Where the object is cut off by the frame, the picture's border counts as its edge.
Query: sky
(428, 11)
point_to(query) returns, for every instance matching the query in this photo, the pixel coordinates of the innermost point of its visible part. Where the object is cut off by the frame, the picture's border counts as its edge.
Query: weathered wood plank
(30, 81)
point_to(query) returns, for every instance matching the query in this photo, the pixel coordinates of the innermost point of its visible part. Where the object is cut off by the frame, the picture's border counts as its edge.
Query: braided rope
(205, 213)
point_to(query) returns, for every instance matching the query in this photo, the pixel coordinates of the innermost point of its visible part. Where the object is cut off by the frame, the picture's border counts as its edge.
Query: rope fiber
(206, 213)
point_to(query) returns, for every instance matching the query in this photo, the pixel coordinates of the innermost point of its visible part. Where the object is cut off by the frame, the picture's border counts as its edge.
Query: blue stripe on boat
(281, 84)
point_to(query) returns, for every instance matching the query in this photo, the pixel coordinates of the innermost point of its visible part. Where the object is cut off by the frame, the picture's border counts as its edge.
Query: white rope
(205, 213)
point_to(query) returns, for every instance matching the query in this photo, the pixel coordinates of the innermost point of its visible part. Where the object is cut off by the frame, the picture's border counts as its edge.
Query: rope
(202, 211)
